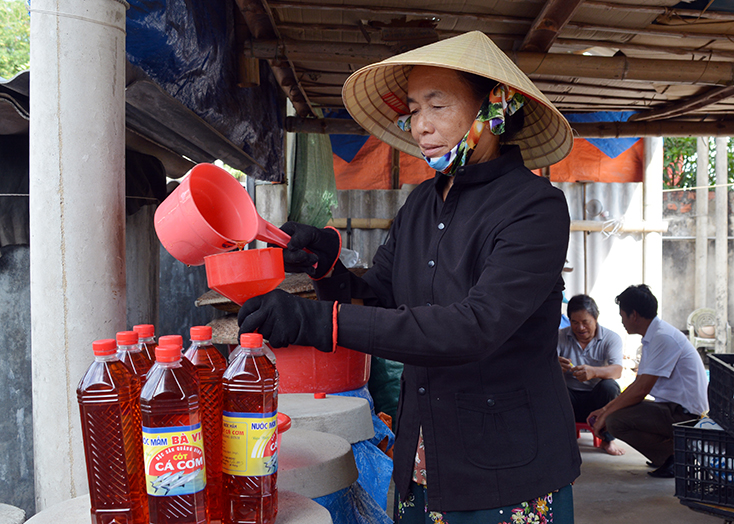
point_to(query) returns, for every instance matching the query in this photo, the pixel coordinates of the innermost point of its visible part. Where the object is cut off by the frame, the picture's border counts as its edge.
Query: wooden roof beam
(657, 10)
(701, 51)
(695, 103)
(569, 65)
(261, 24)
(554, 15)
(661, 30)
(659, 128)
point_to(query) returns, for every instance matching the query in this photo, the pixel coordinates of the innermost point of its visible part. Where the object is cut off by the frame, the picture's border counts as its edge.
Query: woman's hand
(311, 250)
(285, 319)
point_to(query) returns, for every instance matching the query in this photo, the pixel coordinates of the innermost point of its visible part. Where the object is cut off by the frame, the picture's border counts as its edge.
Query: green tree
(680, 159)
(15, 37)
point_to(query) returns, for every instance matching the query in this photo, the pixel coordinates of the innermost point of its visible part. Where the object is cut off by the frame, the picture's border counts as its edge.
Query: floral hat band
(503, 101)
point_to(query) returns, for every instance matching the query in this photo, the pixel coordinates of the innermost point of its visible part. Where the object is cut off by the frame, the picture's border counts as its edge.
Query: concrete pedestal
(315, 464)
(292, 509)
(11, 515)
(347, 417)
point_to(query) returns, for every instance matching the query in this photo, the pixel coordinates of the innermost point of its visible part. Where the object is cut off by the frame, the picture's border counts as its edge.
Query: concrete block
(314, 464)
(12, 515)
(292, 509)
(347, 417)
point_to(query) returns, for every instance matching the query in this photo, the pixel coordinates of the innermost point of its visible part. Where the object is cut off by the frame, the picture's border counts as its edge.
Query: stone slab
(314, 464)
(292, 509)
(12, 515)
(347, 417)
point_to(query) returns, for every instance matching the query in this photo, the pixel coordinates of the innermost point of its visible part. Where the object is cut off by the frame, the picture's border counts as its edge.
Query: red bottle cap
(251, 340)
(145, 330)
(168, 353)
(127, 338)
(167, 340)
(319, 395)
(104, 347)
(201, 333)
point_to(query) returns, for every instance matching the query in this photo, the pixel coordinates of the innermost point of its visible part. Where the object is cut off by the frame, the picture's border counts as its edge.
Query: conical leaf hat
(375, 95)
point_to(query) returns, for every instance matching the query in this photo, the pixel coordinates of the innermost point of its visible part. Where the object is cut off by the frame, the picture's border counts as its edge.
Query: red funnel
(241, 275)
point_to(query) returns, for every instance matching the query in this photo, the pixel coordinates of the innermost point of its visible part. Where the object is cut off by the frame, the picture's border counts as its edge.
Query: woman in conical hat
(466, 291)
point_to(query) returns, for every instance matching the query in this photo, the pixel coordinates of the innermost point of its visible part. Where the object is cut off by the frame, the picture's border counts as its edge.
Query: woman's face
(443, 108)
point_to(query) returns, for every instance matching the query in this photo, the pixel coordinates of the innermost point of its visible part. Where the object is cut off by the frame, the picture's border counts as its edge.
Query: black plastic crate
(721, 390)
(704, 464)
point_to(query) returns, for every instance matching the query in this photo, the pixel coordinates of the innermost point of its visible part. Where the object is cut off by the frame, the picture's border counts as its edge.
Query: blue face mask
(501, 102)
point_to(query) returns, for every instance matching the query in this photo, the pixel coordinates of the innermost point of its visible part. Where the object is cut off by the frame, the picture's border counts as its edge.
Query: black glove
(324, 246)
(285, 319)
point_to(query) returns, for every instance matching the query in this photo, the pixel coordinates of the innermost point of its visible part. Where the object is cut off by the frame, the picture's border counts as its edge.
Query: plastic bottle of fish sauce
(108, 396)
(210, 366)
(131, 353)
(250, 448)
(146, 332)
(173, 441)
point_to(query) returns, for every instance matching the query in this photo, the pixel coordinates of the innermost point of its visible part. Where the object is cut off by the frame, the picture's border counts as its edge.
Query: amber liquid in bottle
(135, 358)
(210, 366)
(249, 393)
(176, 477)
(110, 416)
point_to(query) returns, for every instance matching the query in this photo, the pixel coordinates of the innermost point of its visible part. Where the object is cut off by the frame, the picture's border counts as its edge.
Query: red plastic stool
(586, 427)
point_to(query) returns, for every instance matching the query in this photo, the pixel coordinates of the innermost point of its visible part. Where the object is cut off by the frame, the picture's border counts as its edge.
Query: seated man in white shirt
(591, 359)
(670, 370)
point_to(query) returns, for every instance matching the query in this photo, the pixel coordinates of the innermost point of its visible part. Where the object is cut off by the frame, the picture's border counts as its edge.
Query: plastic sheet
(314, 188)
(353, 505)
(612, 147)
(375, 468)
(188, 48)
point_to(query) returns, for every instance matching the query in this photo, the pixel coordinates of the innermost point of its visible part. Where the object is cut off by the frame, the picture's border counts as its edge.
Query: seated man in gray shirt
(591, 359)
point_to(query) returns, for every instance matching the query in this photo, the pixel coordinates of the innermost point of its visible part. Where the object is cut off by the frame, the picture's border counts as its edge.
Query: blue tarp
(188, 48)
(612, 147)
(366, 500)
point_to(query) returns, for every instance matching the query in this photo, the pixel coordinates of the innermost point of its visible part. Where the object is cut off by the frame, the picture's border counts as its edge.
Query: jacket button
(431, 263)
(441, 225)
(428, 303)
(421, 391)
(342, 286)
(490, 402)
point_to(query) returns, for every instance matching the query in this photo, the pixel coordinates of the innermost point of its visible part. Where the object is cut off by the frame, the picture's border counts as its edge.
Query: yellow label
(174, 460)
(250, 444)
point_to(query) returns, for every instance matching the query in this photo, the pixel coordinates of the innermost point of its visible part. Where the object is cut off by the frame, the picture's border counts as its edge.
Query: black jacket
(467, 293)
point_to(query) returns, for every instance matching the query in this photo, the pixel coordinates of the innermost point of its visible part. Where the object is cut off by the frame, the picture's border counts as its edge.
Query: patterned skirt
(553, 508)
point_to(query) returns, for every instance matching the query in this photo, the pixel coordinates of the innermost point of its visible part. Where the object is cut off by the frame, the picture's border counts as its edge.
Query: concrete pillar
(722, 249)
(652, 211)
(77, 219)
(702, 220)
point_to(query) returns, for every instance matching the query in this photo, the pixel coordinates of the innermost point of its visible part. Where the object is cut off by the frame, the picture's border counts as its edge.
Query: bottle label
(250, 444)
(174, 460)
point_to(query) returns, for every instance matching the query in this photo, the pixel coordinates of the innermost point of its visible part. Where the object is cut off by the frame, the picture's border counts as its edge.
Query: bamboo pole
(554, 15)
(597, 226)
(701, 51)
(710, 97)
(702, 211)
(577, 66)
(659, 128)
(655, 10)
(260, 23)
(583, 130)
(722, 248)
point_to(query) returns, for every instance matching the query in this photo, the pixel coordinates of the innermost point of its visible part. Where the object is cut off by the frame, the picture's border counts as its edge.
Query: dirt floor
(619, 490)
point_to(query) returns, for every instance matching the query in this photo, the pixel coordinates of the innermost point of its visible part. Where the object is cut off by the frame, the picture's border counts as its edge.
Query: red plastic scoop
(209, 213)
